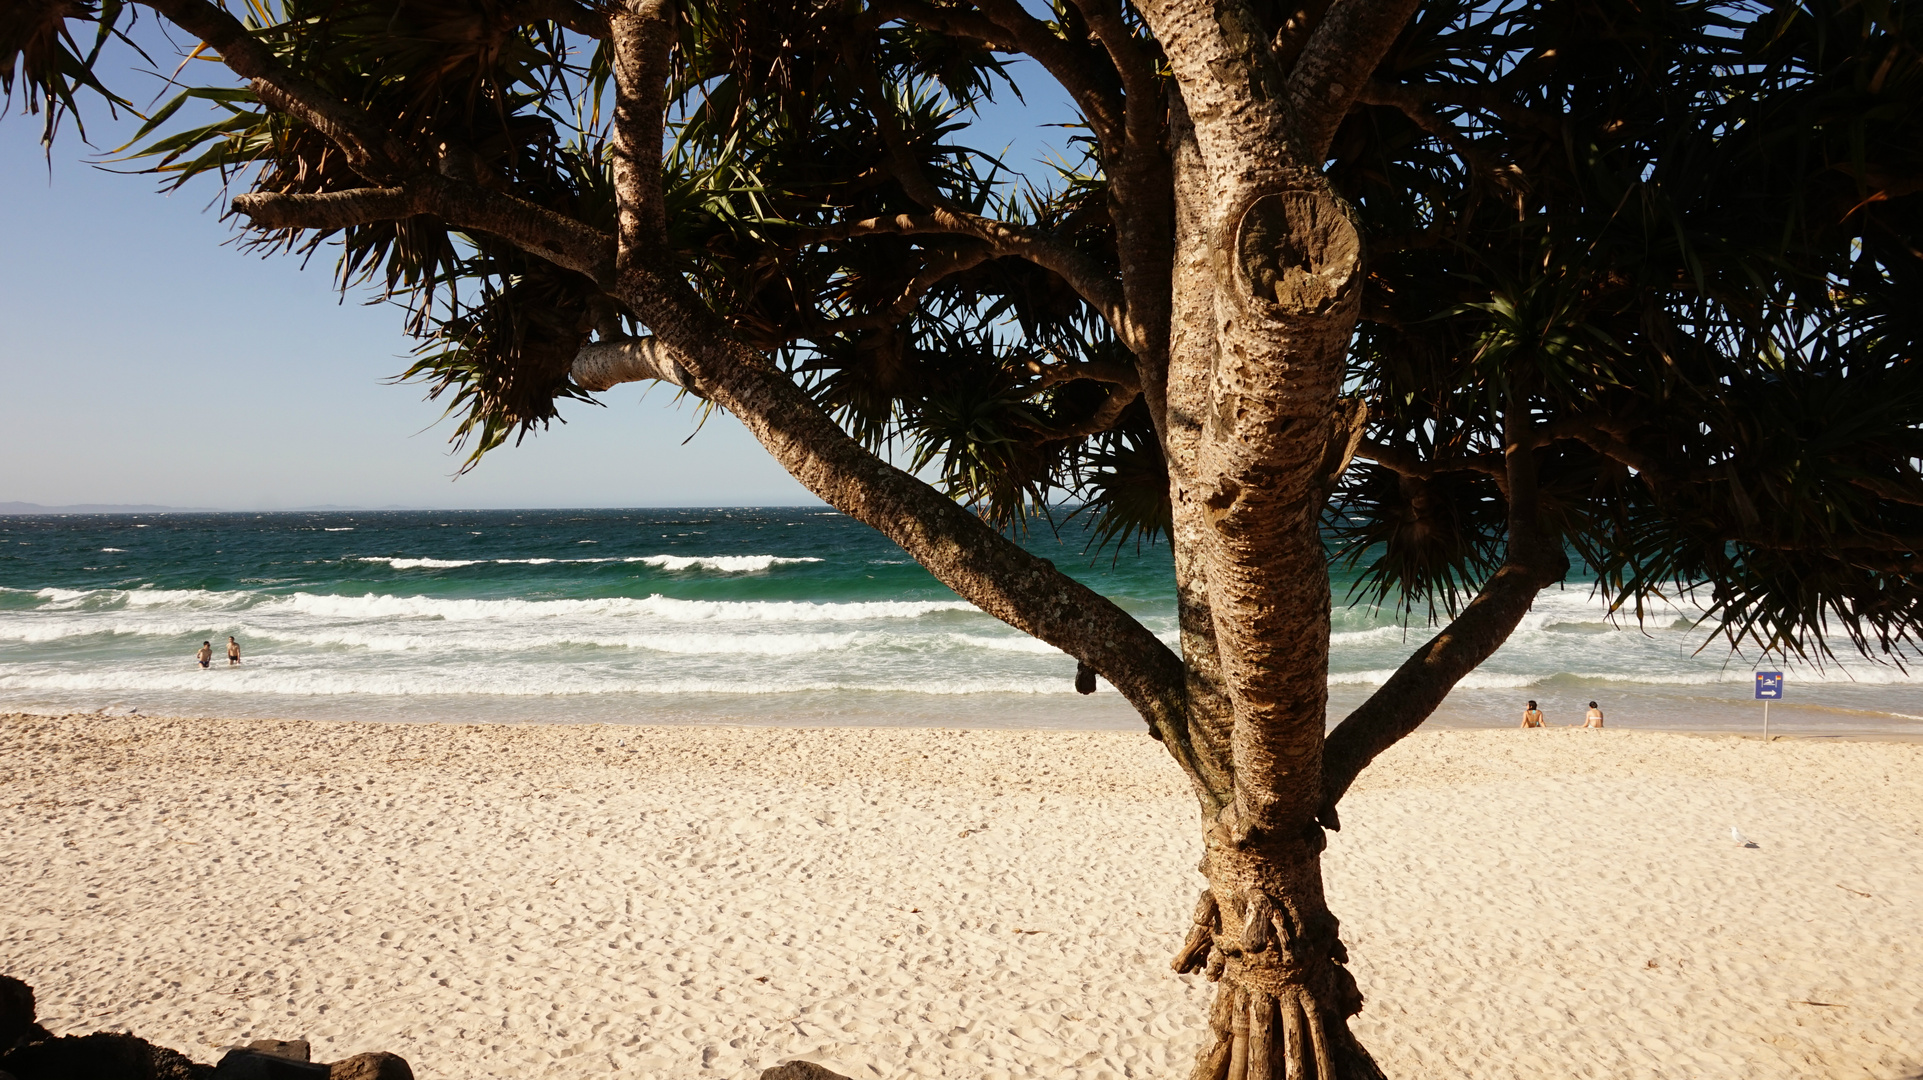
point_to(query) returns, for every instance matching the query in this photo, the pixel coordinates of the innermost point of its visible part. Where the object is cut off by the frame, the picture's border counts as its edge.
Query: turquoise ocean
(761, 616)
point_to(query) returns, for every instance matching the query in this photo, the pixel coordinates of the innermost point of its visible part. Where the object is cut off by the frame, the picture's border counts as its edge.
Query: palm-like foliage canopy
(1685, 238)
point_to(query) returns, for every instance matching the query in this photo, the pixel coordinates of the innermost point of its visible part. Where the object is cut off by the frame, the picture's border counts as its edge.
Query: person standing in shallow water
(206, 654)
(1593, 718)
(233, 651)
(1531, 717)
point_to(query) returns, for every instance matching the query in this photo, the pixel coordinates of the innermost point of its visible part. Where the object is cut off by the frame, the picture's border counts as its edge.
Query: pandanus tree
(1458, 291)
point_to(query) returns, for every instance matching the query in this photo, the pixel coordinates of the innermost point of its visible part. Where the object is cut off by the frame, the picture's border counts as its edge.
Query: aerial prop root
(1268, 1033)
(1268, 1021)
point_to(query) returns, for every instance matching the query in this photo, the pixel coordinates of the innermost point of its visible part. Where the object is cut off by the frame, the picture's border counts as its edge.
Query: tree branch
(1105, 416)
(907, 171)
(1406, 463)
(1140, 186)
(332, 209)
(1082, 273)
(588, 21)
(1910, 494)
(946, 20)
(939, 269)
(1840, 546)
(370, 149)
(1005, 26)
(1293, 35)
(537, 230)
(641, 34)
(1069, 65)
(1466, 96)
(1405, 101)
(611, 362)
(1337, 60)
(1142, 101)
(1532, 563)
(1120, 375)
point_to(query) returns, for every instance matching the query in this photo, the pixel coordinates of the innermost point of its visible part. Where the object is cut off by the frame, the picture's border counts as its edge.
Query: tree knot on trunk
(1296, 253)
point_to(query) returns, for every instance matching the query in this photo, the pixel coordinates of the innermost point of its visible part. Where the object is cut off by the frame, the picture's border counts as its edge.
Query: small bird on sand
(1736, 834)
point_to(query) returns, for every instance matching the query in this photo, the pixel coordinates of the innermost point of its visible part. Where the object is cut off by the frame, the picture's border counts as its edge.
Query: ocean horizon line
(29, 509)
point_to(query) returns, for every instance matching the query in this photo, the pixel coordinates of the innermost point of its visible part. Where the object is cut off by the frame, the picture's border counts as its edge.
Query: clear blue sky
(144, 362)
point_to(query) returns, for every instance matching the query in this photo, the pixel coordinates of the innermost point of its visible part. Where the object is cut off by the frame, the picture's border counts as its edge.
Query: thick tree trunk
(1249, 422)
(1268, 272)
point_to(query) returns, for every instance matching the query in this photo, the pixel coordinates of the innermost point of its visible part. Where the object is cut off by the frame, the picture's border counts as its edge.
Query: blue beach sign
(1769, 685)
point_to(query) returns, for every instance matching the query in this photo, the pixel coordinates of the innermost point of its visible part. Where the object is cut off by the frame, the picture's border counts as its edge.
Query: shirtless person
(233, 651)
(1593, 718)
(206, 653)
(1531, 717)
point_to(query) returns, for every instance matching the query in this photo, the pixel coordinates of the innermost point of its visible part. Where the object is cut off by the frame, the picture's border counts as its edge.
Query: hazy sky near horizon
(146, 360)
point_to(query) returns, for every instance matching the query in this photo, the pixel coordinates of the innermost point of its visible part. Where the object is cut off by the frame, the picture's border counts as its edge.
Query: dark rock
(801, 1070)
(104, 1055)
(371, 1067)
(247, 1064)
(296, 1050)
(16, 1015)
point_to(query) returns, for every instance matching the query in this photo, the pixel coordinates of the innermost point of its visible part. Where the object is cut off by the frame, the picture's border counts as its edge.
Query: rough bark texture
(1286, 304)
(1183, 408)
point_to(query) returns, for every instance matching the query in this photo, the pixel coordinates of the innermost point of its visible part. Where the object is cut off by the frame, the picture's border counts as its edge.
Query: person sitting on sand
(1593, 718)
(1531, 717)
(206, 653)
(233, 651)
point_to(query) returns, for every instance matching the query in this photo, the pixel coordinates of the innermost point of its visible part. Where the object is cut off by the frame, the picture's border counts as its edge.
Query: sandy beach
(521, 901)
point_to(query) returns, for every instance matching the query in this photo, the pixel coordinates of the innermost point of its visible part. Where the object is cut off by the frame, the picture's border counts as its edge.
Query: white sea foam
(440, 638)
(202, 599)
(657, 606)
(1005, 643)
(1475, 680)
(343, 528)
(1385, 635)
(388, 606)
(1484, 679)
(446, 640)
(43, 630)
(419, 564)
(727, 564)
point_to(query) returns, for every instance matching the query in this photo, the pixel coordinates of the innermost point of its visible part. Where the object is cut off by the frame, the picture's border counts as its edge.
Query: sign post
(1769, 687)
